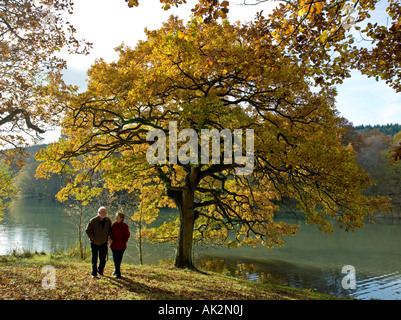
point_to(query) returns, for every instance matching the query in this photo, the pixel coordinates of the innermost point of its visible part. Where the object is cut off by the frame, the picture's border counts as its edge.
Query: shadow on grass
(143, 290)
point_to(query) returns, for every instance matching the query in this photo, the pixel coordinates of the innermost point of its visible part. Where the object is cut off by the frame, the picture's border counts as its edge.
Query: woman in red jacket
(120, 235)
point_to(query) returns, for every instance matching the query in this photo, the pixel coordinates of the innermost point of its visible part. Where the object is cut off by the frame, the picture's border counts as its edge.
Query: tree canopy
(218, 76)
(396, 153)
(317, 30)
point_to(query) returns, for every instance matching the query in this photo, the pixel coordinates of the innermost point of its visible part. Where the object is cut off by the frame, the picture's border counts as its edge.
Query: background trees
(373, 157)
(6, 188)
(206, 76)
(396, 150)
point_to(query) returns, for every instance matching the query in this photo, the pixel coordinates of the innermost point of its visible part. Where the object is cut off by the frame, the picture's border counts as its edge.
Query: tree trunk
(81, 251)
(184, 199)
(183, 258)
(140, 233)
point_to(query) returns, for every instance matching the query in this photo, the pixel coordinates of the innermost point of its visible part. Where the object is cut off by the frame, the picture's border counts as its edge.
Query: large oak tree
(218, 76)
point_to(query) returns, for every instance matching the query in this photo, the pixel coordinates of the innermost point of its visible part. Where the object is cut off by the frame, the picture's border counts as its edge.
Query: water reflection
(323, 280)
(383, 287)
(35, 225)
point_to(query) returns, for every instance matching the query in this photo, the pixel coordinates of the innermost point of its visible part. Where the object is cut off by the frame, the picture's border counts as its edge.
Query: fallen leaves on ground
(23, 280)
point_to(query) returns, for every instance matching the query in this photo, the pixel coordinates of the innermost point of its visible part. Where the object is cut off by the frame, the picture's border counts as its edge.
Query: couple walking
(100, 230)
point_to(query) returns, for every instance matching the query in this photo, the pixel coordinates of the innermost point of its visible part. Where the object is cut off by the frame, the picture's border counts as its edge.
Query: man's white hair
(101, 209)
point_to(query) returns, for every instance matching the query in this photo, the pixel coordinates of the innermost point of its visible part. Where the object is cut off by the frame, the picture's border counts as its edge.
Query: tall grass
(77, 250)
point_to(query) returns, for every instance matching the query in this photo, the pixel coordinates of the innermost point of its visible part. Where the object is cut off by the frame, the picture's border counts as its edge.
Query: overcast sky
(108, 23)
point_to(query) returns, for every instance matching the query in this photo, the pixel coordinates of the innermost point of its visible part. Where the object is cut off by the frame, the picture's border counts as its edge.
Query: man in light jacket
(99, 231)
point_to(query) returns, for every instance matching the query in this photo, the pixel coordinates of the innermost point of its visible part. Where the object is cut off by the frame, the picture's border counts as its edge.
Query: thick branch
(27, 117)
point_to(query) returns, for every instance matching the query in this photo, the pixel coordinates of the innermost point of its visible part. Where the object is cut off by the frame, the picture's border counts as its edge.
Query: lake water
(309, 260)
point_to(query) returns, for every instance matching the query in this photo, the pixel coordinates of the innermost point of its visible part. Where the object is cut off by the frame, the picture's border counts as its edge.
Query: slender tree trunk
(80, 232)
(140, 232)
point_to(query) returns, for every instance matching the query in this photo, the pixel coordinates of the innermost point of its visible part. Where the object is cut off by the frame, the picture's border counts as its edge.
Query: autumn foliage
(219, 75)
(32, 33)
(317, 30)
(275, 75)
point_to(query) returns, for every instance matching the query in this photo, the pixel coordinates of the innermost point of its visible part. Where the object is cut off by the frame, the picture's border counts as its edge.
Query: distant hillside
(388, 129)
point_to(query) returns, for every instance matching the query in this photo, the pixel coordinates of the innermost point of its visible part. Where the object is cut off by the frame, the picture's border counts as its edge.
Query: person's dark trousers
(100, 251)
(117, 257)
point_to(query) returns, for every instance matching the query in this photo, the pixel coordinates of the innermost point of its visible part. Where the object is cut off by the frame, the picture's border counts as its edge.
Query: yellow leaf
(318, 6)
(132, 3)
(289, 30)
(302, 11)
(324, 36)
